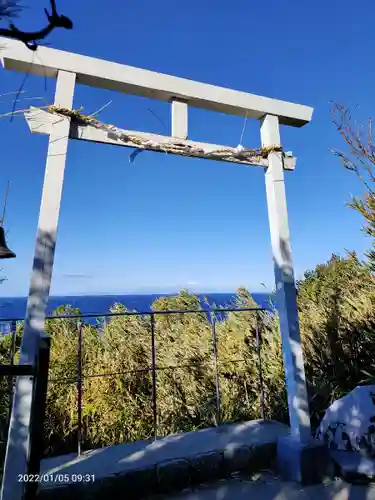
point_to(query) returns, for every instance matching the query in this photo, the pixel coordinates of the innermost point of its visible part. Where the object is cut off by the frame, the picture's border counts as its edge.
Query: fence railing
(80, 376)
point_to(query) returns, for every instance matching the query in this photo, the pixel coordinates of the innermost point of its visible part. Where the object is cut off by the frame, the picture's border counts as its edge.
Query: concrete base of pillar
(307, 463)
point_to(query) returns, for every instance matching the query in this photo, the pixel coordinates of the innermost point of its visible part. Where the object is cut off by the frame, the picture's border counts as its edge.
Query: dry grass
(336, 301)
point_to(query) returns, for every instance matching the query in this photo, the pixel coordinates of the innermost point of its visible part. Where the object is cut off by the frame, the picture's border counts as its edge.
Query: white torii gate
(69, 69)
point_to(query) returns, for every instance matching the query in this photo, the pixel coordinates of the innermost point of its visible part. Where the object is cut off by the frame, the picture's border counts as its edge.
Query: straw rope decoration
(169, 145)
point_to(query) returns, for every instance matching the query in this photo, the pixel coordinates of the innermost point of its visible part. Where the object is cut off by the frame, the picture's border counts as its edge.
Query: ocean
(14, 308)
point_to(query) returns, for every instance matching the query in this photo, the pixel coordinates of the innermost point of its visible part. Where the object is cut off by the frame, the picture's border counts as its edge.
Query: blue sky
(164, 222)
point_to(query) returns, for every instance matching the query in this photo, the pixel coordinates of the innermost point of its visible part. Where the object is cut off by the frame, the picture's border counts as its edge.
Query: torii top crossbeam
(114, 76)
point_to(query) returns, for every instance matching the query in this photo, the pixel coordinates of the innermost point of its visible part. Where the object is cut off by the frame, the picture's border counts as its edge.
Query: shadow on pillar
(300, 457)
(20, 441)
(39, 288)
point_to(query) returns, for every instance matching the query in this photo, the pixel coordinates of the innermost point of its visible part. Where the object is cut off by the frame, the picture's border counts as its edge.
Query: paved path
(274, 489)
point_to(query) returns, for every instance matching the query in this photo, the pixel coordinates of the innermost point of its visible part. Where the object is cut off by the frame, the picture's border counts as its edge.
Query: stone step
(169, 464)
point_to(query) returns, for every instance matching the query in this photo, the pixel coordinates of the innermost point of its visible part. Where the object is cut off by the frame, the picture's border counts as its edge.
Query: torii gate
(69, 69)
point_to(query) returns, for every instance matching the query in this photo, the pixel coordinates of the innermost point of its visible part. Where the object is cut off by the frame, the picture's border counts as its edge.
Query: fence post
(38, 415)
(12, 350)
(153, 348)
(12, 353)
(217, 384)
(79, 387)
(260, 370)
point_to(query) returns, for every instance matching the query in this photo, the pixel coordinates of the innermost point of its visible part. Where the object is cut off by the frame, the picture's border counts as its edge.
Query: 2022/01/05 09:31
(56, 478)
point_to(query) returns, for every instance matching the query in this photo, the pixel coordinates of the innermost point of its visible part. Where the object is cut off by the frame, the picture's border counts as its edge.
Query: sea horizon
(15, 307)
(152, 292)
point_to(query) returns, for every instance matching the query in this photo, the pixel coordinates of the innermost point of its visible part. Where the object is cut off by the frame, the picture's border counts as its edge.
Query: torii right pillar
(300, 457)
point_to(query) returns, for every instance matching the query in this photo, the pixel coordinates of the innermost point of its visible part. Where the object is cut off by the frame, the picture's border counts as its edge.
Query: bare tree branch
(10, 8)
(361, 156)
(360, 159)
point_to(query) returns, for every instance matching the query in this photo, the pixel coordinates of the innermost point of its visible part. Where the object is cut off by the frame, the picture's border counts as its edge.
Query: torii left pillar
(18, 445)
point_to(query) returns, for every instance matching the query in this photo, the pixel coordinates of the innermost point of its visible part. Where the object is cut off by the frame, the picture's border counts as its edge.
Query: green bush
(118, 405)
(336, 307)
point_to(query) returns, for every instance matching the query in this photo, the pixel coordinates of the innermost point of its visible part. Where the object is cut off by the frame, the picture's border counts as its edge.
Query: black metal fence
(7, 373)
(214, 315)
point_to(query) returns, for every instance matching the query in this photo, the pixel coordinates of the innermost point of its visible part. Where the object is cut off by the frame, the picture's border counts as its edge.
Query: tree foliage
(337, 309)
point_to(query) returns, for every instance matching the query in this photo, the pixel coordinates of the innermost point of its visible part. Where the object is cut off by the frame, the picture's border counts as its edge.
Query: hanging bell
(5, 253)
